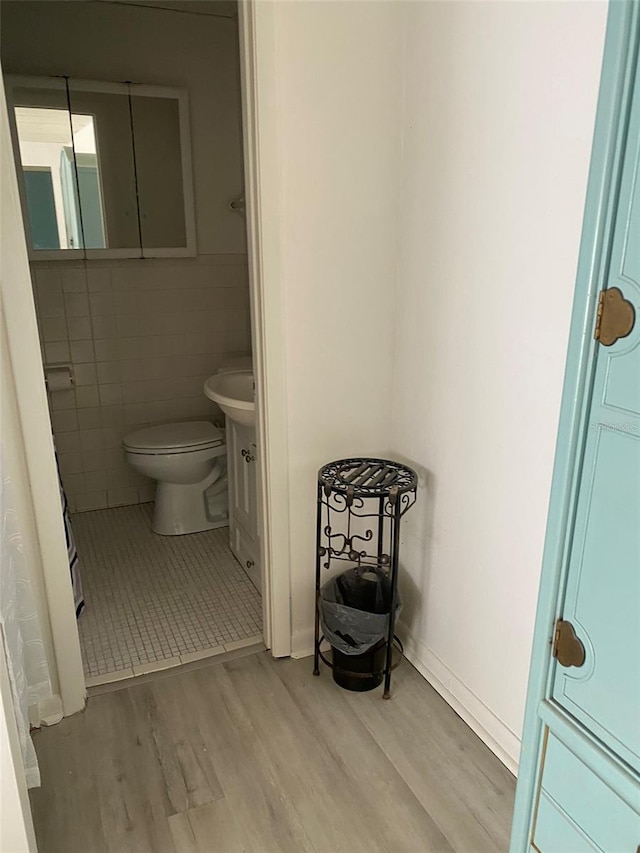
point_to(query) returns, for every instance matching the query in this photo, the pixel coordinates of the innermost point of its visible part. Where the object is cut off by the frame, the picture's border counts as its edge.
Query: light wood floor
(257, 755)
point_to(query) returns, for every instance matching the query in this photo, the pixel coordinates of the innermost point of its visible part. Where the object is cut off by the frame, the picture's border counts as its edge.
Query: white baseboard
(302, 643)
(504, 744)
(490, 729)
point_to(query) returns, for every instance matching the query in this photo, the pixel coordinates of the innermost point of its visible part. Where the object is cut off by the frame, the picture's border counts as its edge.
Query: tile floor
(157, 601)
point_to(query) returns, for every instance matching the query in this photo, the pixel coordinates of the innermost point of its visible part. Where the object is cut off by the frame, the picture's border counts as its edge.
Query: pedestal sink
(234, 392)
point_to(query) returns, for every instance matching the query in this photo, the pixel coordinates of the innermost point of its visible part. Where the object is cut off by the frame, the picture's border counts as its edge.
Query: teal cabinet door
(577, 812)
(603, 586)
(579, 775)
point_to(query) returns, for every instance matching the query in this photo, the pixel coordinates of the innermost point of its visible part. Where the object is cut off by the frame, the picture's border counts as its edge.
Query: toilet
(189, 462)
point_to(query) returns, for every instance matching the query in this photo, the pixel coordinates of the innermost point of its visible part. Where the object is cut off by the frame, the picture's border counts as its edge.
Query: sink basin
(234, 392)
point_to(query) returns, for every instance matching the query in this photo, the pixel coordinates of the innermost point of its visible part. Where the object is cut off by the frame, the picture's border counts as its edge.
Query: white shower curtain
(26, 658)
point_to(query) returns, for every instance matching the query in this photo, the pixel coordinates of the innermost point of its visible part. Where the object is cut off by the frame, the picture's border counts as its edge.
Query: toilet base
(181, 509)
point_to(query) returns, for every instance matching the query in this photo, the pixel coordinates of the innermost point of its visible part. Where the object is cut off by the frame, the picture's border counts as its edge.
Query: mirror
(156, 129)
(105, 168)
(111, 197)
(45, 131)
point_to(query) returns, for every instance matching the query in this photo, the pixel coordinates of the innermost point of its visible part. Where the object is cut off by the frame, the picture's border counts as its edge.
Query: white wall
(499, 110)
(432, 172)
(337, 125)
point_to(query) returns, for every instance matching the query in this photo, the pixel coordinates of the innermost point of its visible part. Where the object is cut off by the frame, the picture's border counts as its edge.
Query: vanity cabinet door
(242, 476)
(243, 514)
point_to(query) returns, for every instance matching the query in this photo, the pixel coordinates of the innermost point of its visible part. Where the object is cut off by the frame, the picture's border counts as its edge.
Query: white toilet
(189, 462)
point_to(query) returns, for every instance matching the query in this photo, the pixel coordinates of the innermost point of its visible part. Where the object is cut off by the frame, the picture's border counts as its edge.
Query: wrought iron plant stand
(361, 502)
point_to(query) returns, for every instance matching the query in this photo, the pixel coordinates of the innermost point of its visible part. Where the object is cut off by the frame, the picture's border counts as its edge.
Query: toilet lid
(188, 435)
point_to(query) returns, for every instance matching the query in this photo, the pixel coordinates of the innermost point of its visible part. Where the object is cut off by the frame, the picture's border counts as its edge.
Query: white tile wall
(142, 336)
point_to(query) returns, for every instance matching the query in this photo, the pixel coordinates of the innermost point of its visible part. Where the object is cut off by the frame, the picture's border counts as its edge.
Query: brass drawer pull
(567, 646)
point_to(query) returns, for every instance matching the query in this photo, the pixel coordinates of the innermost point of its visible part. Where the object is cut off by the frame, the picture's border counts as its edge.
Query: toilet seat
(183, 437)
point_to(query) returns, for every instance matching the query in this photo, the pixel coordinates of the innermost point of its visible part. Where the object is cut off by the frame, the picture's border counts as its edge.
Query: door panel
(622, 381)
(557, 833)
(603, 587)
(577, 812)
(603, 595)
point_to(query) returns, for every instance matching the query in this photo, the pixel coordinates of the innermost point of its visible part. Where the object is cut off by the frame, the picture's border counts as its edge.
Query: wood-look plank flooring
(255, 755)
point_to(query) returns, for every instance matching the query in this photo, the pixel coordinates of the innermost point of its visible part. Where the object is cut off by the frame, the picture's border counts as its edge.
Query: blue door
(579, 776)
(43, 225)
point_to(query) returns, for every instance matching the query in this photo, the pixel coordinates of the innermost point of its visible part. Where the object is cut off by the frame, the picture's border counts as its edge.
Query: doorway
(58, 574)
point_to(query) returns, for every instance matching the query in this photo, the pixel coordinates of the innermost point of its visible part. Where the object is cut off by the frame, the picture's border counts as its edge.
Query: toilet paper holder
(58, 377)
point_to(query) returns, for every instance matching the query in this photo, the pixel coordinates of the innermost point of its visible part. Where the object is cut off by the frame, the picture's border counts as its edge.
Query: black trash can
(354, 612)
(359, 672)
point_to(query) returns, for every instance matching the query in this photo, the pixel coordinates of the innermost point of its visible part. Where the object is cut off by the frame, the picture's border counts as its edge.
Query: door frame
(258, 70)
(23, 344)
(619, 57)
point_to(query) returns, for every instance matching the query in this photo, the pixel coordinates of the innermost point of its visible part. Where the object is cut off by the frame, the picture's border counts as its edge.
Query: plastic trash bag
(355, 607)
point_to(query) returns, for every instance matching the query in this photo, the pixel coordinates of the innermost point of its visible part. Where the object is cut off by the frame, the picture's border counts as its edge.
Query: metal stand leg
(316, 645)
(395, 548)
(380, 530)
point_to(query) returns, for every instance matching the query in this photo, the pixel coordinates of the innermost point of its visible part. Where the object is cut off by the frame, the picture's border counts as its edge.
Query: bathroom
(130, 336)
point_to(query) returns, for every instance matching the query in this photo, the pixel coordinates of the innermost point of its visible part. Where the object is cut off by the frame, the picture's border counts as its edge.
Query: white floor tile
(151, 599)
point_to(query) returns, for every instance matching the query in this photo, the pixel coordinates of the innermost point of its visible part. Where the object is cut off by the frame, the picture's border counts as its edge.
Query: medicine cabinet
(104, 169)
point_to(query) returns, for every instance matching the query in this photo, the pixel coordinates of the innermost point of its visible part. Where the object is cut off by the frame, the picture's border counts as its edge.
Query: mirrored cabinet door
(161, 172)
(44, 132)
(105, 167)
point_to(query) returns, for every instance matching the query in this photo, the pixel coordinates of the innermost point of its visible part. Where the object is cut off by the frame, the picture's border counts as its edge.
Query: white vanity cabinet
(243, 508)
